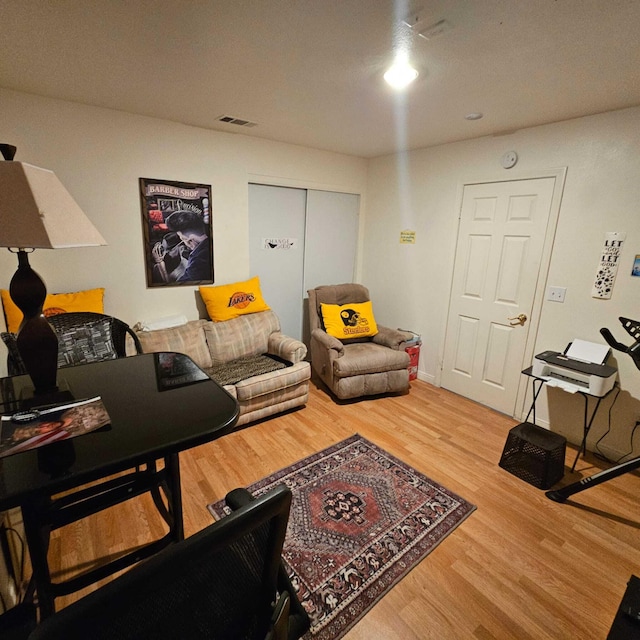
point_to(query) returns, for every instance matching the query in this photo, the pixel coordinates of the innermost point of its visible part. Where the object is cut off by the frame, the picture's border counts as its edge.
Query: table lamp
(37, 212)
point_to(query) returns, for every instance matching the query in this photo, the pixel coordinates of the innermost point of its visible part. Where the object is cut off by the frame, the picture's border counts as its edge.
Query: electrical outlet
(556, 294)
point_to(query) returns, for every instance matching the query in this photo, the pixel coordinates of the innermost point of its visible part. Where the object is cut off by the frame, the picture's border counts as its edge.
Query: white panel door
(500, 244)
(331, 238)
(276, 250)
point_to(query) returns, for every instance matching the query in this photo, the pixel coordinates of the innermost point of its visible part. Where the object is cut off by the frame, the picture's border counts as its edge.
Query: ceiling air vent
(237, 121)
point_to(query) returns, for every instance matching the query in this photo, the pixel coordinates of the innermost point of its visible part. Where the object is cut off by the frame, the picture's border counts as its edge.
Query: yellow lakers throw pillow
(349, 320)
(229, 301)
(89, 300)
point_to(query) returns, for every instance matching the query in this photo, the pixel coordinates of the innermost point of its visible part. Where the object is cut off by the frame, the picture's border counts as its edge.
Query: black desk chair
(83, 337)
(224, 582)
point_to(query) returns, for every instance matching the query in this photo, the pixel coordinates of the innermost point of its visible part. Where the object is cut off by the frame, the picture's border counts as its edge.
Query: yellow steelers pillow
(54, 303)
(349, 321)
(229, 301)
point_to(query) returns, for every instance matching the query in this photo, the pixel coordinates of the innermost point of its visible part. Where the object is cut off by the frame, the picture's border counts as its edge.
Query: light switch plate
(556, 294)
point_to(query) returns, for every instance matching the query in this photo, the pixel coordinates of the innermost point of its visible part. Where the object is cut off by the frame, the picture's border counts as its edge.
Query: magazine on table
(37, 427)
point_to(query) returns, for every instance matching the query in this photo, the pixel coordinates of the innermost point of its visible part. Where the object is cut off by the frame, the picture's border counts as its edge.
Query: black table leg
(42, 515)
(38, 535)
(174, 495)
(536, 393)
(586, 427)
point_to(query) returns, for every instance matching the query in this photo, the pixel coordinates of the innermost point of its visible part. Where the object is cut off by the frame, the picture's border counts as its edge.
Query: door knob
(519, 320)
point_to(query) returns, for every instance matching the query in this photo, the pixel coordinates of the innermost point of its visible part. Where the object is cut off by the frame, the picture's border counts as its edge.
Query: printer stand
(587, 420)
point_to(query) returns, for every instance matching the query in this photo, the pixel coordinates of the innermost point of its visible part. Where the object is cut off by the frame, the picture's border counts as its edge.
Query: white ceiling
(309, 72)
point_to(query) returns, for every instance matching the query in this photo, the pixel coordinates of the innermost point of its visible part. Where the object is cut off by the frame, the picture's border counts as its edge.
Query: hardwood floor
(521, 566)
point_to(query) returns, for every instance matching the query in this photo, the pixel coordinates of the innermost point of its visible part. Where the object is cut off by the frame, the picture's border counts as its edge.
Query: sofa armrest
(327, 341)
(286, 348)
(392, 338)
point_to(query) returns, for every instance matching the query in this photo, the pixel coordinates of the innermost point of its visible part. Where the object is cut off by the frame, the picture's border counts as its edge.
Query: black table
(587, 420)
(159, 405)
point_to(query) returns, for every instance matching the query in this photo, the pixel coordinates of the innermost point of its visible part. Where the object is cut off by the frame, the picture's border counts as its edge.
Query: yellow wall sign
(407, 237)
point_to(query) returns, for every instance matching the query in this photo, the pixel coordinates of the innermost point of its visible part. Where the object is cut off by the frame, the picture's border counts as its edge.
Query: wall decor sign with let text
(178, 238)
(608, 267)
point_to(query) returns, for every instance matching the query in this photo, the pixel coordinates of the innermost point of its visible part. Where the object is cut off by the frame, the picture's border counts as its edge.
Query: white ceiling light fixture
(400, 74)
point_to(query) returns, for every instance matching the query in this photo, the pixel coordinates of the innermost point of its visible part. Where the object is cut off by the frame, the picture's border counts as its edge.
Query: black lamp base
(37, 341)
(33, 400)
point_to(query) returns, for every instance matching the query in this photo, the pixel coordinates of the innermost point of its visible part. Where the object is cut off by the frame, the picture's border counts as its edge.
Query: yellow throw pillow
(229, 301)
(349, 321)
(89, 300)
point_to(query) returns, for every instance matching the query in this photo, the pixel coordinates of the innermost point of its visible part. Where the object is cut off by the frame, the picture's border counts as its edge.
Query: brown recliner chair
(361, 366)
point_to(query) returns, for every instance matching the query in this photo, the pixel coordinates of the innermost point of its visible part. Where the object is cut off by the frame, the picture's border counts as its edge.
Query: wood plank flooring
(520, 567)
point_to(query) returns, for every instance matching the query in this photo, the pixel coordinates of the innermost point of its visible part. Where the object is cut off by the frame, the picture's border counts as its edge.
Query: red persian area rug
(360, 521)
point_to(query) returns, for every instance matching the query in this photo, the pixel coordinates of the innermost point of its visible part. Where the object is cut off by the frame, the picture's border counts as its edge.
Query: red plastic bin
(414, 358)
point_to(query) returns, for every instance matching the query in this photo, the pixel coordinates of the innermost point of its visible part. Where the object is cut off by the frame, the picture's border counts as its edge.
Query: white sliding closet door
(276, 250)
(331, 238)
(300, 239)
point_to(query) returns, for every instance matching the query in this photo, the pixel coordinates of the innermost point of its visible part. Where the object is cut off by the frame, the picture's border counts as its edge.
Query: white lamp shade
(37, 212)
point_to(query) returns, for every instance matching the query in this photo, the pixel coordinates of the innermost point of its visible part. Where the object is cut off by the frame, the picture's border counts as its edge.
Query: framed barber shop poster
(178, 237)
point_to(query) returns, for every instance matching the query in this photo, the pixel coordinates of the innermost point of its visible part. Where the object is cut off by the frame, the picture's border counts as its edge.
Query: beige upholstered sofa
(360, 367)
(262, 368)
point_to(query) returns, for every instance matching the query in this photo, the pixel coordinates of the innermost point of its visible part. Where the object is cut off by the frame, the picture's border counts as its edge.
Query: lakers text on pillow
(229, 301)
(349, 321)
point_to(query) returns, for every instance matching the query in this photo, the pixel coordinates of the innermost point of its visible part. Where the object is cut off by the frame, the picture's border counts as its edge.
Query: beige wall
(99, 155)
(421, 191)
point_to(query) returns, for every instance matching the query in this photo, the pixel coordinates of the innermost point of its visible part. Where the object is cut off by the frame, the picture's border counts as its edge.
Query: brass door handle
(519, 320)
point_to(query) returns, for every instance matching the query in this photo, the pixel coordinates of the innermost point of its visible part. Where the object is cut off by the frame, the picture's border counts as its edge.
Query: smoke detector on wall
(509, 159)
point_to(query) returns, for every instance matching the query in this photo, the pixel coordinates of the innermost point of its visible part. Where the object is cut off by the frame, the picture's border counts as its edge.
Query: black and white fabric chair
(83, 337)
